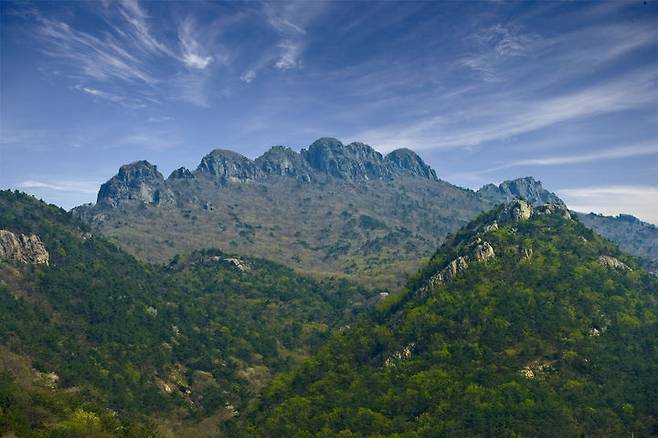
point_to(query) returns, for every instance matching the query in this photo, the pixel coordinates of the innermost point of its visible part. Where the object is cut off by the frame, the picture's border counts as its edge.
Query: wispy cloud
(644, 149)
(191, 49)
(61, 185)
(494, 45)
(112, 97)
(509, 117)
(289, 56)
(90, 56)
(639, 200)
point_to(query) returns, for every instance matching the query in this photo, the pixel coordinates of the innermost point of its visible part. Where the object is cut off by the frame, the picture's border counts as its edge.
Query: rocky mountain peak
(222, 165)
(181, 173)
(350, 162)
(283, 161)
(139, 181)
(407, 162)
(359, 161)
(526, 188)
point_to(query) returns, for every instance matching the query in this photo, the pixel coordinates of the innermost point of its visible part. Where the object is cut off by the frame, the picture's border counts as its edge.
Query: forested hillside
(524, 323)
(159, 345)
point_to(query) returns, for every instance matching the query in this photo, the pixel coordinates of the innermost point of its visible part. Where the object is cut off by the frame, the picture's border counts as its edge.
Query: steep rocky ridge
(332, 209)
(525, 188)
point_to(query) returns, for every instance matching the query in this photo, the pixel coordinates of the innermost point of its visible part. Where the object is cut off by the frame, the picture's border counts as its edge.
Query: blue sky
(566, 92)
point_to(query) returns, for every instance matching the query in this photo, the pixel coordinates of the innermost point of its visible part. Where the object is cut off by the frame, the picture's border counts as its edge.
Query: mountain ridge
(331, 209)
(542, 329)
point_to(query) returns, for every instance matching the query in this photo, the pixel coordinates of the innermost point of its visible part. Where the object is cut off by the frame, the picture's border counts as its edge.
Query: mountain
(332, 209)
(631, 234)
(524, 323)
(524, 188)
(94, 341)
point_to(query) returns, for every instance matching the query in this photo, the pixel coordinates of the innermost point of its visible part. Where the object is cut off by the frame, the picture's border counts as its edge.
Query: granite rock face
(614, 263)
(325, 158)
(407, 162)
(515, 211)
(139, 181)
(526, 188)
(223, 166)
(181, 173)
(350, 162)
(22, 248)
(283, 161)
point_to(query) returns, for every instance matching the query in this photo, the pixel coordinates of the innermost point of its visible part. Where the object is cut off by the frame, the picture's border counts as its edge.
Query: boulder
(515, 211)
(22, 248)
(614, 263)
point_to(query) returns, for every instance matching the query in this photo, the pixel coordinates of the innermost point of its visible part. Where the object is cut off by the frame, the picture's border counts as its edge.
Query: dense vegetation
(541, 340)
(197, 337)
(373, 230)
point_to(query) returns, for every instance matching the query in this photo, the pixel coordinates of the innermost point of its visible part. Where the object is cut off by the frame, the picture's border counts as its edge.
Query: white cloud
(290, 55)
(636, 150)
(190, 47)
(248, 76)
(134, 103)
(62, 185)
(638, 200)
(502, 117)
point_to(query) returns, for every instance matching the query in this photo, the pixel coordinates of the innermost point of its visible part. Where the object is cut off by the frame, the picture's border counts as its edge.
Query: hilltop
(524, 323)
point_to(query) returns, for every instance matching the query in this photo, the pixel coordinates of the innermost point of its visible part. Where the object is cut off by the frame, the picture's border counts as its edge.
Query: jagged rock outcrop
(283, 161)
(515, 211)
(22, 248)
(350, 162)
(407, 162)
(526, 188)
(236, 263)
(559, 209)
(478, 251)
(223, 166)
(181, 173)
(519, 210)
(360, 161)
(614, 263)
(142, 182)
(138, 181)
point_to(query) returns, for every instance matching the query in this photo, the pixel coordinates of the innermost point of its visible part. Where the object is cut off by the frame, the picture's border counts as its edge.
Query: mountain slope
(631, 234)
(332, 209)
(524, 323)
(160, 344)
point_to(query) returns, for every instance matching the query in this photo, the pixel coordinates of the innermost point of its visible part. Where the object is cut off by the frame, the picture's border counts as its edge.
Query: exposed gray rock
(483, 251)
(224, 166)
(138, 181)
(525, 188)
(350, 162)
(359, 161)
(181, 173)
(515, 211)
(478, 251)
(407, 162)
(615, 263)
(558, 209)
(22, 248)
(283, 161)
